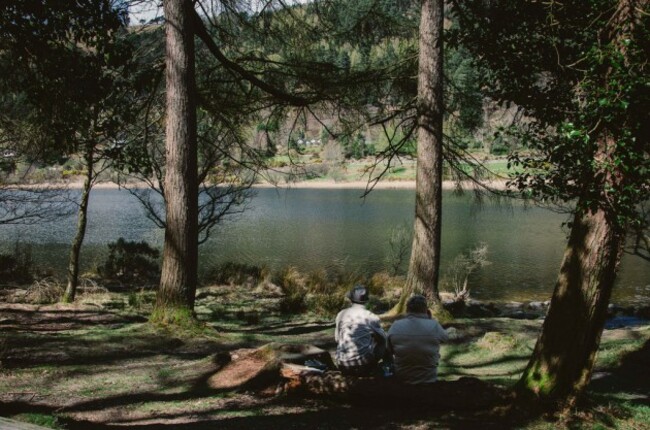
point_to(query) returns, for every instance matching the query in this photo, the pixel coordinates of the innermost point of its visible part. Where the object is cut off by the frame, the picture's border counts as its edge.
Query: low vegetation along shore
(498, 184)
(99, 364)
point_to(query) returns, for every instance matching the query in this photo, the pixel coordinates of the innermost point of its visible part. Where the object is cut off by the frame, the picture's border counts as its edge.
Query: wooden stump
(249, 369)
(262, 367)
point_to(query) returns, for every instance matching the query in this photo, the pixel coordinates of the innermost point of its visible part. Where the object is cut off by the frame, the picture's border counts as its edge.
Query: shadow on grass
(293, 414)
(56, 320)
(281, 329)
(630, 377)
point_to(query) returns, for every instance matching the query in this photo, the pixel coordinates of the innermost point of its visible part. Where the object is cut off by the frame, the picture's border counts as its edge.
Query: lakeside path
(315, 184)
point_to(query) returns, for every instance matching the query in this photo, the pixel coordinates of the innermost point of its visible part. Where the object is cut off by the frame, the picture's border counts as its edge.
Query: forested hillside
(361, 61)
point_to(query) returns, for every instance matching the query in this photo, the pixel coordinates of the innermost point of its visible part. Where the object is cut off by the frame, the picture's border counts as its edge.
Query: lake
(335, 228)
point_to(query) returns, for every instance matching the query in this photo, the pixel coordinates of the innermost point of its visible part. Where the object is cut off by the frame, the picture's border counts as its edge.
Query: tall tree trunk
(562, 362)
(564, 355)
(175, 298)
(424, 265)
(82, 220)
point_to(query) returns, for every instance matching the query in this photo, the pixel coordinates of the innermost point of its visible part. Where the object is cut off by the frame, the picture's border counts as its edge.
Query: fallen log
(463, 394)
(261, 367)
(280, 370)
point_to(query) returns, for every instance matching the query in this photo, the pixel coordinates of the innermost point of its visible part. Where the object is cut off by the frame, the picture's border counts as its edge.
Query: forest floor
(99, 364)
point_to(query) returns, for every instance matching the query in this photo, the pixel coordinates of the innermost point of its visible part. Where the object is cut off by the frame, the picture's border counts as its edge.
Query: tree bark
(564, 355)
(82, 220)
(178, 280)
(424, 265)
(562, 362)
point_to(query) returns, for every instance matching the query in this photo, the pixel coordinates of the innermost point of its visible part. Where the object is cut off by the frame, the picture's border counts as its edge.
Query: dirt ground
(89, 366)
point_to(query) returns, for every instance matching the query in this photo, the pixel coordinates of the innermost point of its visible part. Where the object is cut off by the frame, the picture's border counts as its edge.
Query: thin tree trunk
(424, 265)
(564, 355)
(176, 294)
(82, 220)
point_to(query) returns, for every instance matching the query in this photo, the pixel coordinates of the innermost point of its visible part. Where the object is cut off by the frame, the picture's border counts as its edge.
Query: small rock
(536, 305)
(453, 333)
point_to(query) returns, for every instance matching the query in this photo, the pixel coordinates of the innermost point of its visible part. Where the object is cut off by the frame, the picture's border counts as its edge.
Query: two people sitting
(412, 344)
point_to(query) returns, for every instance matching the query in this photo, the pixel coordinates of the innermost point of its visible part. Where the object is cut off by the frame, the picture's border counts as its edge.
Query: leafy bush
(140, 299)
(132, 262)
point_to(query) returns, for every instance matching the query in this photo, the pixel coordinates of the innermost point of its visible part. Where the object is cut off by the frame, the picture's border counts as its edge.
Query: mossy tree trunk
(563, 359)
(176, 294)
(424, 265)
(82, 221)
(564, 355)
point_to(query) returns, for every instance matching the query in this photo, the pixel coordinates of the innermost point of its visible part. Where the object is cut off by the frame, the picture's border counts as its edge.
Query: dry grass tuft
(44, 291)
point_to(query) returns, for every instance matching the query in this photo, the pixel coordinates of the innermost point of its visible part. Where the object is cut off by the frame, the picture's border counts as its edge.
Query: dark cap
(358, 294)
(417, 303)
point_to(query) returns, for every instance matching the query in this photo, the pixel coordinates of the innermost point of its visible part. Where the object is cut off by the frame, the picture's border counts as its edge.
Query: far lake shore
(499, 184)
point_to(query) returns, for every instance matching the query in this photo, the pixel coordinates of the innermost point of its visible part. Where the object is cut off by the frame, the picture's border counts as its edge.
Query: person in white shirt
(361, 342)
(415, 343)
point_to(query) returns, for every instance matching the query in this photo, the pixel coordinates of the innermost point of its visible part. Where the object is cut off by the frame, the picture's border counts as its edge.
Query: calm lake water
(315, 228)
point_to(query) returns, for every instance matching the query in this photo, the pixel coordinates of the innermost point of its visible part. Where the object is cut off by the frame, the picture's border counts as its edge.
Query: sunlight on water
(336, 230)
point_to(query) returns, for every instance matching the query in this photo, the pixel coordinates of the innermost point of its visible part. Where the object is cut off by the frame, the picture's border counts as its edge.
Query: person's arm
(380, 334)
(336, 329)
(443, 336)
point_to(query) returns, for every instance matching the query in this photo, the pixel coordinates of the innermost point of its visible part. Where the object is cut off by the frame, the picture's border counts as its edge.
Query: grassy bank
(99, 364)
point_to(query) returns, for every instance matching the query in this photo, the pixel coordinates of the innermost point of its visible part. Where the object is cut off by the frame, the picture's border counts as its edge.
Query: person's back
(361, 342)
(415, 343)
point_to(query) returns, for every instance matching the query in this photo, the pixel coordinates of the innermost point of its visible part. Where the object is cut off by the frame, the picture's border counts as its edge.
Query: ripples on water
(336, 230)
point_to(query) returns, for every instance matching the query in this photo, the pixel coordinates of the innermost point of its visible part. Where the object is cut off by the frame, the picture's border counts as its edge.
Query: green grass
(165, 369)
(44, 420)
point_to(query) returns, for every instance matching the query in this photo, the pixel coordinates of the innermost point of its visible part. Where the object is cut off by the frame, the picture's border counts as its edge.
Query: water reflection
(314, 229)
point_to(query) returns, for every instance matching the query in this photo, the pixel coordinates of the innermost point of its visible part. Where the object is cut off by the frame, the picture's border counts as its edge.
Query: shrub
(318, 281)
(139, 299)
(318, 170)
(382, 284)
(464, 265)
(293, 303)
(399, 245)
(292, 284)
(332, 153)
(323, 292)
(44, 291)
(326, 304)
(132, 262)
(236, 274)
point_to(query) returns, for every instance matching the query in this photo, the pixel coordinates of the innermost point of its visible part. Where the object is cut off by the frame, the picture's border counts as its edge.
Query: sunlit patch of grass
(44, 420)
(615, 344)
(494, 356)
